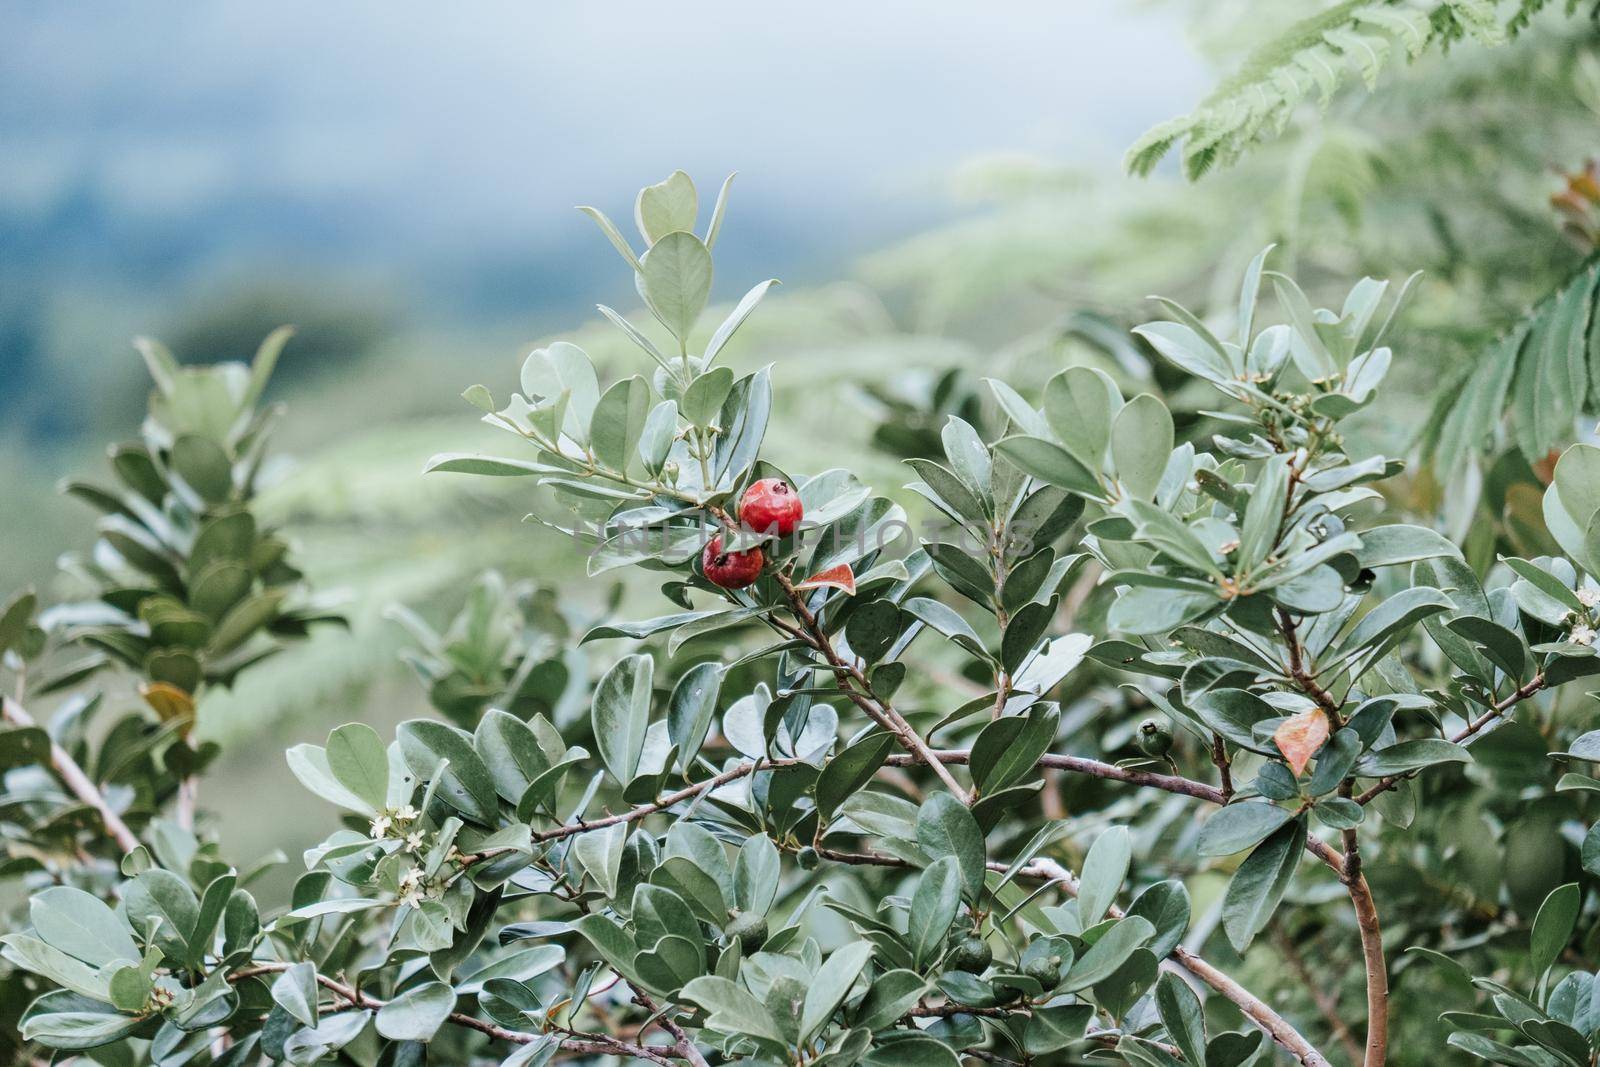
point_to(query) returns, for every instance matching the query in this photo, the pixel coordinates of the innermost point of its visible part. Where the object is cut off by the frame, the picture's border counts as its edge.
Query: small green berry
(1154, 739)
(971, 954)
(1045, 971)
(750, 930)
(809, 859)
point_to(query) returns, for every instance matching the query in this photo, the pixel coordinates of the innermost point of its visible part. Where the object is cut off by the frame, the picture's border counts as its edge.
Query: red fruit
(730, 570)
(771, 505)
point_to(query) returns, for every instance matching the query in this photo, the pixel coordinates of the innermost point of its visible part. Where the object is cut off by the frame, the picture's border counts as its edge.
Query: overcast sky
(403, 134)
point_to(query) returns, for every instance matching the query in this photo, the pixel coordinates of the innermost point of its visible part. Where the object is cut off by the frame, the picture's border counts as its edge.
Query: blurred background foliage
(977, 220)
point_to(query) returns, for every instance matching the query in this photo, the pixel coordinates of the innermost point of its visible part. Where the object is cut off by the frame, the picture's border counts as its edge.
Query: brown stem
(1256, 1010)
(1377, 971)
(593, 1044)
(1496, 710)
(1355, 882)
(684, 1048)
(76, 780)
(855, 686)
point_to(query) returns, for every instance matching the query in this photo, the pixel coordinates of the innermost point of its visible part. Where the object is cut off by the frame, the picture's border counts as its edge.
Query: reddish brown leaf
(840, 577)
(1300, 736)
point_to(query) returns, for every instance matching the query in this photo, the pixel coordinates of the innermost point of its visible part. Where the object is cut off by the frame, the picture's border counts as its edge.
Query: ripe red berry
(771, 505)
(730, 570)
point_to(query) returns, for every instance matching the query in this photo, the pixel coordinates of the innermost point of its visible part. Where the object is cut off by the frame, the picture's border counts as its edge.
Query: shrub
(814, 881)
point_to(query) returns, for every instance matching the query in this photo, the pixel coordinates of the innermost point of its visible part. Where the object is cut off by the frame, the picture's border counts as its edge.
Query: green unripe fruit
(809, 859)
(1154, 739)
(750, 930)
(1045, 971)
(971, 954)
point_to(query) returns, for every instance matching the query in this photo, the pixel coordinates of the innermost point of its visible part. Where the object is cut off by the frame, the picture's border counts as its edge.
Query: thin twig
(76, 780)
(593, 1044)
(855, 686)
(1498, 709)
(1324, 999)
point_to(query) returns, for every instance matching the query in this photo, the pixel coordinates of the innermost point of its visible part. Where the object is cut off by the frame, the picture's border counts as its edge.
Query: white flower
(407, 813)
(414, 841)
(1582, 635)
(1589, 596)
(380, 827)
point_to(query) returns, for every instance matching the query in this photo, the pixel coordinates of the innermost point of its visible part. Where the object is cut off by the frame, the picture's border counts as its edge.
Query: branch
(855, 686)
(1496, 710)
(594, 1044)
(80, 783)
(1256, 1010)
(1366, 909)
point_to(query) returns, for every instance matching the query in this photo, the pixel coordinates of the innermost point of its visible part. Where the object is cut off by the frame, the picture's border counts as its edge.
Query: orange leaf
(840, 577)
(1300, 736)
(170, 703)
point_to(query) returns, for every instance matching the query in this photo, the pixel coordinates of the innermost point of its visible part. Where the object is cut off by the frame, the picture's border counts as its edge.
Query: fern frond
(1544, 372)
(1317, 56)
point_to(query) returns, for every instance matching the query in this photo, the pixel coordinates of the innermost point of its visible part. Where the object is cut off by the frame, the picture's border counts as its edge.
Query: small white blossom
(1589, 596)
(380, 827)
(406, 813)
(1582, 635)
(414, 841)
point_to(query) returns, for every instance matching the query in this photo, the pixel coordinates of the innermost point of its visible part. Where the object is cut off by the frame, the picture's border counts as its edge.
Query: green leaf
(702, 401)
(945, 827)
(1410, 756)
(675, 280)
(943, 618)
(81, 925)
(1079, 405)
(691, 708)
(1553, 926)
(1259, 884)
(1387, 622)
(203, 464)
(1263, 514)
(614, 235)
(730, 325)
(1166, 905)
(463, 781)
(1009, 747)
(933, 909)
(621, 712)
(310, 765)
(295, 991)
(655, 440)
(1184, 349)
(600, 853)
(968, 456)
(756, 872)
(830, 985)
(892, 995)
(731, 1009)
(416, 1014)
(1051, 464)
(1141, 444)
(849, 771)
(1182, 1016)
(666, 207)
(1239, 826)
(75, 1031)
(1104, 868)
(1124, 938)
(160, 898)
(618, 422)
(1384, 546)
(360, 761)
(493, 466)
(14, 619)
